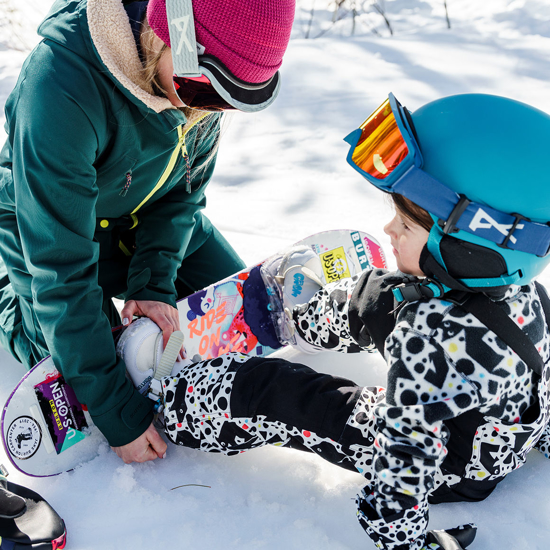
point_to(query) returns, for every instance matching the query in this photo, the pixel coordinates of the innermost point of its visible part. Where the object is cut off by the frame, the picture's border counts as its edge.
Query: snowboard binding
(275, 288)
(140, 346)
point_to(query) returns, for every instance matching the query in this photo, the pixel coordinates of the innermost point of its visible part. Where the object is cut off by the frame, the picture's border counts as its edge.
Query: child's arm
(424, 389)
(351, 315)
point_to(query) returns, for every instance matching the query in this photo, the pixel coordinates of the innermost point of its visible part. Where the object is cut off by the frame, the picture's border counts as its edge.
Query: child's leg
(232, 404)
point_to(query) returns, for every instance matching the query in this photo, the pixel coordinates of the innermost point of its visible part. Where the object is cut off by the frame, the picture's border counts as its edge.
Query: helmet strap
(433, 265)
(432, 269)
(413, 289)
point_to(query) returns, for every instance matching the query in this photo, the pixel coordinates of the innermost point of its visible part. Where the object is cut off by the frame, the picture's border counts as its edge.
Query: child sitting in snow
(462, 326)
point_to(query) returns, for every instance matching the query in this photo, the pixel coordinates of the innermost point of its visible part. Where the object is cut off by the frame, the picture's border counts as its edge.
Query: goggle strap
(505, 230)
(428, 193)
(181, 26)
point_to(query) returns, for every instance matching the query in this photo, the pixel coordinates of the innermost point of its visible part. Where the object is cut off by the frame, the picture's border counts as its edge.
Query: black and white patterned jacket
(462, 410)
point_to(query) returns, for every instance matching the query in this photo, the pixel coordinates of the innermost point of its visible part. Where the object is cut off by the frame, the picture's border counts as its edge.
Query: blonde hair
(152, 57)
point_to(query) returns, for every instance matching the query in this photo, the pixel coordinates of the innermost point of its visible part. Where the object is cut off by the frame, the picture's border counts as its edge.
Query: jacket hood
(100, 31)
(114, 42)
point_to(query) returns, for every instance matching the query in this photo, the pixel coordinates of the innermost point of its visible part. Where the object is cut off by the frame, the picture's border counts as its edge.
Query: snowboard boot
(291, 279)
(11, 505)
(140, 347)
(36, 527)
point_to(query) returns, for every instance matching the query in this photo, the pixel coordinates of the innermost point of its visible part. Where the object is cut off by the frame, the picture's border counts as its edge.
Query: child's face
(408, 240)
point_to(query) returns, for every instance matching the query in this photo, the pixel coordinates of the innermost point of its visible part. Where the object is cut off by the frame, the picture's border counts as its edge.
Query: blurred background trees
(314, 18)
(349, 17)
(18, 22)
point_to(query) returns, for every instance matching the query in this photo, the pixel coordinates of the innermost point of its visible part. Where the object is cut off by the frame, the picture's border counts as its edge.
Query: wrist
(128, 420)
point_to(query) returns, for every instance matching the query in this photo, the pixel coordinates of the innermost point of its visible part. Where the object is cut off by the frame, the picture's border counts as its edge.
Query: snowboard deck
(46, 431)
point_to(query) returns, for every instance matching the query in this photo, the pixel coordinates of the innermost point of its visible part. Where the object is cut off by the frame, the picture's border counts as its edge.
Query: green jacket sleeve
(54, 146)
(166, 226)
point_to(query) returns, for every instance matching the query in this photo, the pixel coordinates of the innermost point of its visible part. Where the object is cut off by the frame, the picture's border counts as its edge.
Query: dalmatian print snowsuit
(443, 365)
(446, 369)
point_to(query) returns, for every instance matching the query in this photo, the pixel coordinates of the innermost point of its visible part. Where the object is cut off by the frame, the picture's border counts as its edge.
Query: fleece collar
(113, 39)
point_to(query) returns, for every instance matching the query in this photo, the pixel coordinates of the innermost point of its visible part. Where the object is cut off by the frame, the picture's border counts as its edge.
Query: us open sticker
(23, 437)
(335, 264)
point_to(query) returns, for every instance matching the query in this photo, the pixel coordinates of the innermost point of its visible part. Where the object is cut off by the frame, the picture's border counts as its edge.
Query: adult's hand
(148, 446)
(164, 315)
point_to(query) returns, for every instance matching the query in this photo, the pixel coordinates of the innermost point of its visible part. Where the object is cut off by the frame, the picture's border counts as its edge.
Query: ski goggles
(217, 89)
(385, 151)
(202, 81)
(384, 147)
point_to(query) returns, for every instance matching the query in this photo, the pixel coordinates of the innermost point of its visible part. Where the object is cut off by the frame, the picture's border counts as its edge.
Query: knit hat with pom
(248, 36)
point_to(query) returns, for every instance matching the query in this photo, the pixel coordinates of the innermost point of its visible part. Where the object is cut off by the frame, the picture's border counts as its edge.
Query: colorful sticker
(375, 253)
(360, 250)
(62, 412)
(23, 437)
(215, 322)
(335, 265)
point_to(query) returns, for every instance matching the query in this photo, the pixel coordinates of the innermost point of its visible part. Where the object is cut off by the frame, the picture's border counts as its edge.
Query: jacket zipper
(124, 190)
(180, 148)
(187, 167)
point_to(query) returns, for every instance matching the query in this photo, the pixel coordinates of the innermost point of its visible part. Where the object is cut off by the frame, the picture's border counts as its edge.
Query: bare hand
(148, 446)
(164, 315)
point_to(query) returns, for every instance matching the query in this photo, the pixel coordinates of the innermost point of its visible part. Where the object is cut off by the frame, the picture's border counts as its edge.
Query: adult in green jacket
(103, 178)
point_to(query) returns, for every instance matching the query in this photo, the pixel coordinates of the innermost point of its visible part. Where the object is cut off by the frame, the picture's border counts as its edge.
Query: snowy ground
(281, 176)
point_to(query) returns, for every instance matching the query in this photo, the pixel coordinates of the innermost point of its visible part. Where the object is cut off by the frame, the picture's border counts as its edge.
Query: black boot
(11, 505)
(38, 527)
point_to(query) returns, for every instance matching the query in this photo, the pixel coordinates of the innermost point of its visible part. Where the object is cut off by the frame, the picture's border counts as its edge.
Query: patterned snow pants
(234, 403)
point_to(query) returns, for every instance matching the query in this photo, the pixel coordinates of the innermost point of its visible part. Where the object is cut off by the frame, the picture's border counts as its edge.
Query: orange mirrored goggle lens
(381, 146)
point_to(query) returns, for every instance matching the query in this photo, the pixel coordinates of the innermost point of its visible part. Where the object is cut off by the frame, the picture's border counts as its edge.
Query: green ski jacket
(91, 150)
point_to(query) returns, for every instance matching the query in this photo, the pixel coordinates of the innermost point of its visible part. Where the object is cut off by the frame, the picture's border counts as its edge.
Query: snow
(282, 175)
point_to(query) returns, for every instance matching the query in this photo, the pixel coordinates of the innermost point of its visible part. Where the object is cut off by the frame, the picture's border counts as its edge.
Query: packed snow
(281, 176)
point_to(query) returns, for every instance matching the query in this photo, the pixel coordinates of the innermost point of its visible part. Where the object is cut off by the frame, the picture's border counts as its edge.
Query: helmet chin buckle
(414, 289)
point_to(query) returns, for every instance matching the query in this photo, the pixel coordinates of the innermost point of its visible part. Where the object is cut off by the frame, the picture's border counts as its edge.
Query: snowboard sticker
(215, 322)
(23, 437)
(62, 412)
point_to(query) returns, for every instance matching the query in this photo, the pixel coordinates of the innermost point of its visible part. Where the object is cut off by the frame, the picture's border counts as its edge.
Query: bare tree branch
(12, 34)
(310, 19)
(382, 12)
(447, 14)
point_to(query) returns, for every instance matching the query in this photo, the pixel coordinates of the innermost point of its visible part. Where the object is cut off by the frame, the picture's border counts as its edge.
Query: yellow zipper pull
(180, 147)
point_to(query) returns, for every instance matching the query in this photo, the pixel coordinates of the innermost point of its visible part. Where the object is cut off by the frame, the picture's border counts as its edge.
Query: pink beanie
(248, 36)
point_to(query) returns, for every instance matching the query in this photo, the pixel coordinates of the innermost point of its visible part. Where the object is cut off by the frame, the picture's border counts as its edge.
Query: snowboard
(46, 431)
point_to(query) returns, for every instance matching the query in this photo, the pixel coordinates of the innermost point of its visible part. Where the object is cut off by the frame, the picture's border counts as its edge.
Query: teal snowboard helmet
(479, 165)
